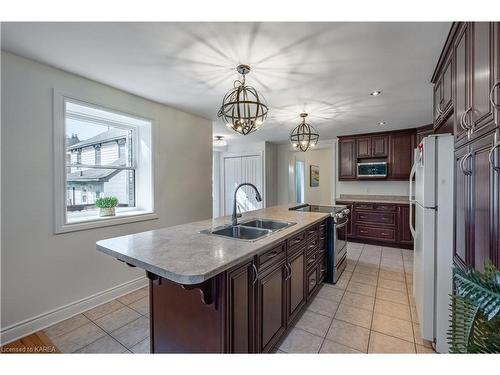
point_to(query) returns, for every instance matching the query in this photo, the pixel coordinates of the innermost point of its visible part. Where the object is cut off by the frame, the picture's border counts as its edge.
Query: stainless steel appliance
(374, 169)
(337, 237)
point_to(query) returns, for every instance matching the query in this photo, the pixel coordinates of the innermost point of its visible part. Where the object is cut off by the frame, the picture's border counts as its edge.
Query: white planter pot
(107, 211)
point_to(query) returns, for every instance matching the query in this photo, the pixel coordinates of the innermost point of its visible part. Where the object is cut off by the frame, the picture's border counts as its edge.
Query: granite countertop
(183, 255)
(394, 199)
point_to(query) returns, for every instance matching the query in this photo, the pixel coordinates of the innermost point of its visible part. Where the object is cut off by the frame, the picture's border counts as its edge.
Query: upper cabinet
(443, 104)
(396, 148)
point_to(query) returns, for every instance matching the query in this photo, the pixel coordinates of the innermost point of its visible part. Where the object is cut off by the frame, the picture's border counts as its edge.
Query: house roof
(94, 174)
(107, 136)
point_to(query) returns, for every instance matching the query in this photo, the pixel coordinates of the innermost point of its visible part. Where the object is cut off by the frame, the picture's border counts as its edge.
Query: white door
(236, 171)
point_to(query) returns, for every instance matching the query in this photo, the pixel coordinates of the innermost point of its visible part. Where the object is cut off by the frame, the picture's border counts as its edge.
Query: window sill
(93, 222)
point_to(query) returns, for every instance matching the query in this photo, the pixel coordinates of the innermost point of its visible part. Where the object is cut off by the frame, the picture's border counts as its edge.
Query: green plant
(106, 202)
(475, 321)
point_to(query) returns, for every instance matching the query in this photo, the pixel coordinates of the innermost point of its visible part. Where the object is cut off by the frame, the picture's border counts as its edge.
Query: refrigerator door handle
(412, 201)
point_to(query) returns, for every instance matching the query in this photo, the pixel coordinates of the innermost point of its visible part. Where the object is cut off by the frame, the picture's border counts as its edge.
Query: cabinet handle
(288, 271)
(462, 164)
(463, 119)
(312, 282)
(255, 274)
(272, 254)
(492, 153)
(492, 92)
(297, 240)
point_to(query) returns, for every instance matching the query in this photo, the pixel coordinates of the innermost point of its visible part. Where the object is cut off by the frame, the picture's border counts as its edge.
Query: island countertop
(184, 255)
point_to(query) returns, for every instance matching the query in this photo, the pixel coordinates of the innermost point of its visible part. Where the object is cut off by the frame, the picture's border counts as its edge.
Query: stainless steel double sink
(250, 230)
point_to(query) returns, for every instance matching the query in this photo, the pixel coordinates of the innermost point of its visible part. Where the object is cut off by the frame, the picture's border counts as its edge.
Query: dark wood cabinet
(296, 291)
(462, 82)
(271, 307)
(363, 147)
(461, 196)
(347, 159)
(394, 147)
(443, 94)
(404, 233)
(401, 155)
(240, 294)
(380, 146)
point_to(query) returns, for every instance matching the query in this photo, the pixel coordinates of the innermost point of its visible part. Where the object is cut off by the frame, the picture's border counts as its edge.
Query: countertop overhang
(184, 255)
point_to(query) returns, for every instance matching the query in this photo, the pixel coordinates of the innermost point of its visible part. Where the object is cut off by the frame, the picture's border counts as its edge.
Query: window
(299, 181)
(106, 153)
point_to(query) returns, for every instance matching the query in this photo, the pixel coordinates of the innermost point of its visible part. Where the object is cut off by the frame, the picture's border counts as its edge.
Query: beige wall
(41, 271)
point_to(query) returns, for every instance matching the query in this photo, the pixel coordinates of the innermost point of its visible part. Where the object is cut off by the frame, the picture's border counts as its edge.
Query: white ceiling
(326, 69)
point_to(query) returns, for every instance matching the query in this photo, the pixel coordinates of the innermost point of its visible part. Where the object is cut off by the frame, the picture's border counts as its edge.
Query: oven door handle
(338, 226)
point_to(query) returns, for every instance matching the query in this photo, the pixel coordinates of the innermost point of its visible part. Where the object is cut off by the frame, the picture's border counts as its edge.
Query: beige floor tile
(414, 315)
(141, 306)
(349, 267)
(365, 289)
(105, 345)
(369, 260)
(358, 300)
(392, 275)
(392, 326)
(132, 333)
(104, 309)
(418, 337)
(364, 279)
(425, 350)
(117, 319)
(396, 310)
(299, 341)
(391, 251)
(323, 306)
(392, 296)
(330, 293)
(78, 338)
(127, 299)
(392, 267)
(314, 323)
(380, 343)
(142, 347)
(66, 326)
(392, 285)
(349, 335)
(372, 249)
(366, 269)
(334, 347)
(355, 246)
(343, 280)
(354, 315)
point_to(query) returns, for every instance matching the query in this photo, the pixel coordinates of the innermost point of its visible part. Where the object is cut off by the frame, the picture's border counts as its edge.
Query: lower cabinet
(404, 232)
(296, 285)
(271, 307)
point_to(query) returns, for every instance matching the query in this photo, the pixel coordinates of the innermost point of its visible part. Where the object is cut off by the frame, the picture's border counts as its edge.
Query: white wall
(42, 271)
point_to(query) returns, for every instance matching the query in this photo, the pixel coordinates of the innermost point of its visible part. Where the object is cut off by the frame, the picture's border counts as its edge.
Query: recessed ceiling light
(376, 93)
(381, 123)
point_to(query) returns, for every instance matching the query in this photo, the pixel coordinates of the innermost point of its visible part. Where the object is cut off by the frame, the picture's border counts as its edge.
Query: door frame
(227, 155)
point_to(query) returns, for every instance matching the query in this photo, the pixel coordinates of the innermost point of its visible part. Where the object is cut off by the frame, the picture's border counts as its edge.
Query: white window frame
(146, 211)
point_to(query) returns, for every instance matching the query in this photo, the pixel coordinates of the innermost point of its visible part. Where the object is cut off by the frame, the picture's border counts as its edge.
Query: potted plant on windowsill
(106, 206)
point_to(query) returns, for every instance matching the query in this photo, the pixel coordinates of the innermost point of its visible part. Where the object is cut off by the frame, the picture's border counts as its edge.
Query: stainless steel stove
(337, 237)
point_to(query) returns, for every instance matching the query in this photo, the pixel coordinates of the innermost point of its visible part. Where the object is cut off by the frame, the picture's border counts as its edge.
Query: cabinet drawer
(322, 231)
(380, 218)
(271, 257)
(312, 245)
(312, 233)
(322, 245)
(321, 268)
(311, 259)
(383, 234)
(363, 206)
(312, 280)
(385, 207)
(297, 241)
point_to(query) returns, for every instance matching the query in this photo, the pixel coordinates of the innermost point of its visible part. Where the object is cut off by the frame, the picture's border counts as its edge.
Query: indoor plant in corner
(475, 321)
(106, 206)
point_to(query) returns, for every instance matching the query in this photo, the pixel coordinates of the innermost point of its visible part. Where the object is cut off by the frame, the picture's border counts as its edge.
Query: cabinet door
(482, 202)
(240, 292)
(437, 102)
(347, 159)
(404, 233)
(401, 155)
(461, 82)
(495, 166)
(482, 76)
(446, 97)
(461, 196)
(271, 308)
(380, 144)
(363, 147)
(296, 283)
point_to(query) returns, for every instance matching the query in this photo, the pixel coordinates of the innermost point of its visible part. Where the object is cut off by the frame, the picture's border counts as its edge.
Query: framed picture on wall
(313, 175)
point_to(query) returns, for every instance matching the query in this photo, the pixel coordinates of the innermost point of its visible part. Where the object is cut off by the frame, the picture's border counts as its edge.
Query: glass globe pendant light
(304, 136)
(243, 108)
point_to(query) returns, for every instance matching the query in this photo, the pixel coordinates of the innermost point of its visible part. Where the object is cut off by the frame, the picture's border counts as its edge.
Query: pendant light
(219, 141)
(243, 108)
(304, 136)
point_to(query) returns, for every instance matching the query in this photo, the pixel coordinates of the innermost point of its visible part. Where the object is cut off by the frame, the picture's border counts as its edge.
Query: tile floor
(370, 310)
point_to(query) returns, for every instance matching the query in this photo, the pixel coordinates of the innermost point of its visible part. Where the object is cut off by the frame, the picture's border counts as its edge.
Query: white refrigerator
(433, 236)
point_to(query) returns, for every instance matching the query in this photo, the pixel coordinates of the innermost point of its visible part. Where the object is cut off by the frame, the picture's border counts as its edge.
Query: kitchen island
(210, 294)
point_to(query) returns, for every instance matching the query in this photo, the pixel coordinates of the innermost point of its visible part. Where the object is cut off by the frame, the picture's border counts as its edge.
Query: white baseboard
(31, 325)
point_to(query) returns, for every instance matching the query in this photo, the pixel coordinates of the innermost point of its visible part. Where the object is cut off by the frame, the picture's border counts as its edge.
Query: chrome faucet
(257, 196)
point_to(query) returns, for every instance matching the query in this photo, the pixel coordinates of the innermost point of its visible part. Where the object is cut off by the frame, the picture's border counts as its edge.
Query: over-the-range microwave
(376, 169)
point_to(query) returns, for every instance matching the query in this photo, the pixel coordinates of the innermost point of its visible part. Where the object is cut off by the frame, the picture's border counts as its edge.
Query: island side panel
(186, 319)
